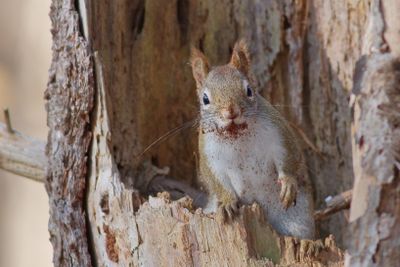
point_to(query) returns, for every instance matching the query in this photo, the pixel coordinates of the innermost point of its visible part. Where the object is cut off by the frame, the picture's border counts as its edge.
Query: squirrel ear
(240, 57)
(200, 66)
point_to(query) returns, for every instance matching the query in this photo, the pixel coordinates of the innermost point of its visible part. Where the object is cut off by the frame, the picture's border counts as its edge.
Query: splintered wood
(182, 237)
(171, 233)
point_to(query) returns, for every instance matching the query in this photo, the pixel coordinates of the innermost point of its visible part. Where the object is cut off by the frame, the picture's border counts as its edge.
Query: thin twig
(8, 121)
(334, 205)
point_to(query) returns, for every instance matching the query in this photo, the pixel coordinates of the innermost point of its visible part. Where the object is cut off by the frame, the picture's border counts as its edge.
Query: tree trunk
(303, 52)
(375, 212)
(69, 98)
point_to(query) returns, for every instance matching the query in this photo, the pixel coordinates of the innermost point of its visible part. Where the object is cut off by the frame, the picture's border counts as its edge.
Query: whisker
(193, 123)
(279, 105)
(170, 133)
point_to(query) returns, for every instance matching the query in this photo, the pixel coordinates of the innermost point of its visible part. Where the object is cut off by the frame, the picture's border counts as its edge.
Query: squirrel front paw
(310, 248)
(288, 190)
(227, 210)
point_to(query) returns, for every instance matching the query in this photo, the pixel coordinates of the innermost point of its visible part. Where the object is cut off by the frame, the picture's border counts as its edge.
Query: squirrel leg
(288, 190)
(289, 165)
(227, 201)
(228, 204)
(227, 211)
(303, 249)
(310, 248)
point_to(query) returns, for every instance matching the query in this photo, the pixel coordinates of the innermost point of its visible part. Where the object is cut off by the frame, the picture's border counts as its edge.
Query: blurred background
(25, 53)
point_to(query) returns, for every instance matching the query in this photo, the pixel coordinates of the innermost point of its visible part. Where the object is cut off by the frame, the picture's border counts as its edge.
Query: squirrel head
(224, 92)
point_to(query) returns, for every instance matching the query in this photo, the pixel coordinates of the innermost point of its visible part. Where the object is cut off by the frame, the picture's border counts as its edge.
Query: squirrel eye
(249, 91)
(206, 101)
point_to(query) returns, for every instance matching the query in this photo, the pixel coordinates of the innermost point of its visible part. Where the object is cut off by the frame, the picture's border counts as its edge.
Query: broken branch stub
(22, 155)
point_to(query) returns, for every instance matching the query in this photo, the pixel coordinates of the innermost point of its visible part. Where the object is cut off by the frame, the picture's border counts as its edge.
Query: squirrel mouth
(233, 130)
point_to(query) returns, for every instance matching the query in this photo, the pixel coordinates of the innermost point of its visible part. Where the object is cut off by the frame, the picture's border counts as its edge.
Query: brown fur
(241, 57)
(225, 86)
(200, 66)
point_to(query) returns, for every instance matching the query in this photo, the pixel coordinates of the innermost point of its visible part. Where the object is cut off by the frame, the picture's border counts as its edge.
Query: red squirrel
(247, 151)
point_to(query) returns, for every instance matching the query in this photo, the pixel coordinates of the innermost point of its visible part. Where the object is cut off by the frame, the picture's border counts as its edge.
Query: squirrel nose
(231, 113)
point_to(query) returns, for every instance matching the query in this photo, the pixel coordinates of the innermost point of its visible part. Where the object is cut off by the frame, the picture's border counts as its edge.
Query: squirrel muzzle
(230, 113)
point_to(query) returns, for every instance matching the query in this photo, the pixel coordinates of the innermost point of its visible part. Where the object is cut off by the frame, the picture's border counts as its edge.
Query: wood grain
(22, 155)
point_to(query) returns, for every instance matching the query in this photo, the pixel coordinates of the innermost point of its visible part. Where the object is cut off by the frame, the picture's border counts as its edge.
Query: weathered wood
(126, 230)
(303, 54)
(375, 215)
(149, 88)
(333, 205)
(69, 97)
(332, 47)
(22, 155)
(375, 209)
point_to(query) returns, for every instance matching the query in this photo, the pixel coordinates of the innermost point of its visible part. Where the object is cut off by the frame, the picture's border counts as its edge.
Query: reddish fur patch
(233, 130)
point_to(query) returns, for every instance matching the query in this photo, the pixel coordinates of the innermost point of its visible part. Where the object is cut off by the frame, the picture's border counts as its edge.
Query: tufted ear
(200, 67)
(241, 58)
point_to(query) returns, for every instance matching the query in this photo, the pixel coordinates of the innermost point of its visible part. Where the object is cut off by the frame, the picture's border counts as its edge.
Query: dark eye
(249, 91)
(206, 101)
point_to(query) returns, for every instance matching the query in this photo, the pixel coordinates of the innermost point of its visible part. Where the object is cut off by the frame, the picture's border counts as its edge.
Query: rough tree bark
(375, 214)
(304, 53)
(69, 98)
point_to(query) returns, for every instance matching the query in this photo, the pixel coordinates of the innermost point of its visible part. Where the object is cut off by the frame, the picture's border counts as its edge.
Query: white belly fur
(245, 165)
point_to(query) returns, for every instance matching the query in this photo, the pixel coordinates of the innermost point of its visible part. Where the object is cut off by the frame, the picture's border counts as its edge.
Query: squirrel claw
(288, 191)
(310, 249)
(226, 212)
